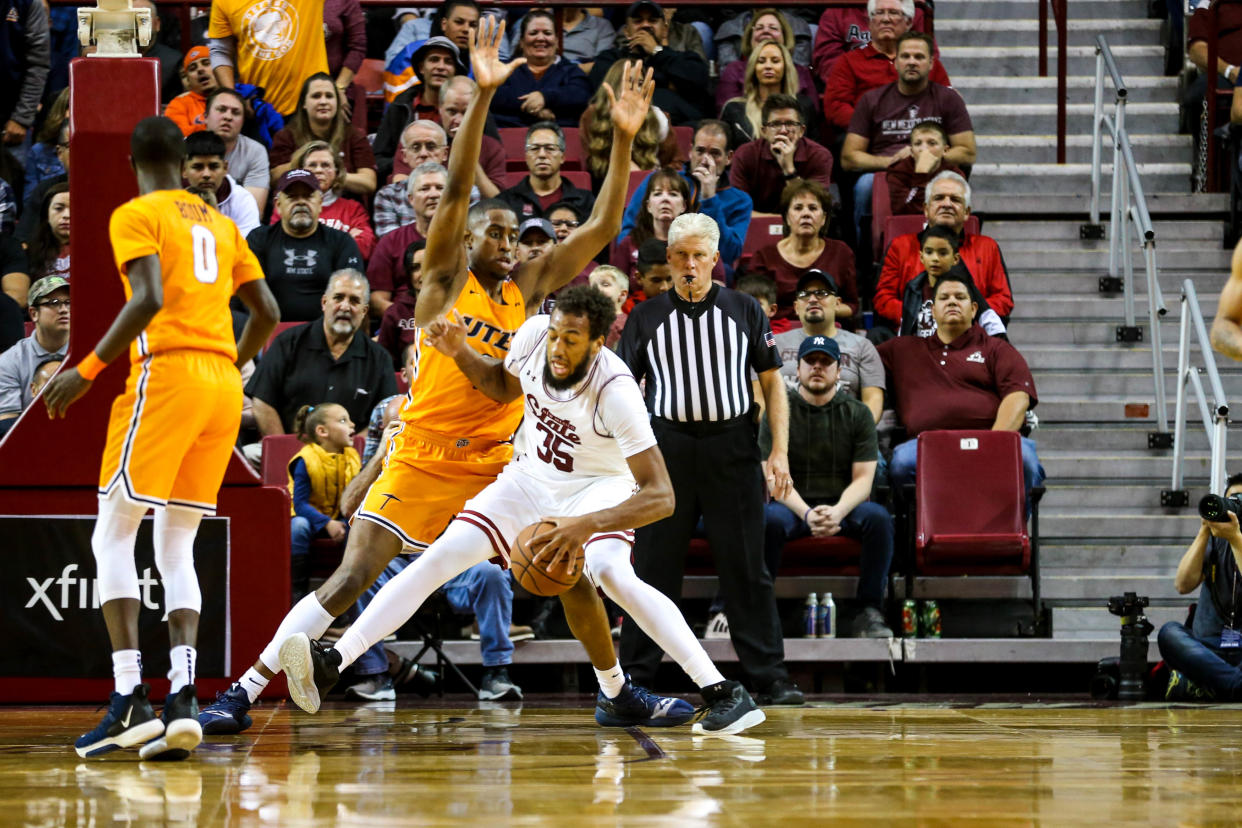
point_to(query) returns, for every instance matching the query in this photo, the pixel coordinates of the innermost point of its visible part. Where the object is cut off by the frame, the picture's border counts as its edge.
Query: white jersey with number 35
(580, 433)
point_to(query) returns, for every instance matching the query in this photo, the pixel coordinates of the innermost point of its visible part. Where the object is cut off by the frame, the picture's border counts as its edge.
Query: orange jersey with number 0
(203, 259)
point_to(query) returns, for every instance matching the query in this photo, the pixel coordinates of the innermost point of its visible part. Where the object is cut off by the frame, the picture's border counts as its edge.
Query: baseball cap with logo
(819, 345)
(540, 224)
(45, 286)
(297, 177)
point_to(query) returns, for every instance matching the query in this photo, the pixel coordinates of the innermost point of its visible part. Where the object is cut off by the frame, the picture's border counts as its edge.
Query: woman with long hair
(343, 214)
(548, 87)
(654, 145)
(668, 196)
(766, 25)
(807, 208)
(321, 116)
(49, 246)
(767, 73)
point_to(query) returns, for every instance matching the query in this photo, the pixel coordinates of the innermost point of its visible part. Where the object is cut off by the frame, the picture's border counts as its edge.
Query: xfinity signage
(51, 621)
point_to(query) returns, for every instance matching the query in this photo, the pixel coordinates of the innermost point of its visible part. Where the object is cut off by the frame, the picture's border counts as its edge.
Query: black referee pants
(716, 472)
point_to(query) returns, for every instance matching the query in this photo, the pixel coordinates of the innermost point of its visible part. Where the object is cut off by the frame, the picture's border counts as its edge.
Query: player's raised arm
(144, 303)
(488, 374)
(566, 260)
(444, 268)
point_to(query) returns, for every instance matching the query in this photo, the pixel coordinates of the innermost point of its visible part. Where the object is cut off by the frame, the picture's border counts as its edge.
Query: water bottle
(828, 614)
(809, 616)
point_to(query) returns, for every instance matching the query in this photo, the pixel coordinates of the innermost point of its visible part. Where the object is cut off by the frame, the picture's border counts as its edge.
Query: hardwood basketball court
(546, 762)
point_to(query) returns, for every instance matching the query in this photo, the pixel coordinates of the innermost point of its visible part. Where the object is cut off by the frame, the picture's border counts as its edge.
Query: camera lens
(1213, 508)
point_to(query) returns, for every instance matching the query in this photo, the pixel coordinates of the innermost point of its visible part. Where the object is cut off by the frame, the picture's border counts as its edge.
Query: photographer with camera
(1205, 659)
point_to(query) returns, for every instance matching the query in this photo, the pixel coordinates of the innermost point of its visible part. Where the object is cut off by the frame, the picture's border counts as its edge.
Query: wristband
(90, 366)
(807, 512)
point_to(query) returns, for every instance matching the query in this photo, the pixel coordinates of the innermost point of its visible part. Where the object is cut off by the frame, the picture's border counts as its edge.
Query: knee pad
(112, 542)
(175, 529)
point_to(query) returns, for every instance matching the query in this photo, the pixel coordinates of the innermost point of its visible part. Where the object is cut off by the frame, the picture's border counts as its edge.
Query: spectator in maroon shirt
(397, 329)
(845, 29)
(321, 116)
(385, 272)
(879, 133)
(958, 378)
(908, 178)
(765, 166)
(806, 206)
(345, 39)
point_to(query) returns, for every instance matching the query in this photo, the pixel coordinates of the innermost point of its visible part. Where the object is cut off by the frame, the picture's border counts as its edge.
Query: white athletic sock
(459, 548)
(307, 616)
(611, 681)
(608, 561)
(126, 670)
(183, 659)
(253, 682)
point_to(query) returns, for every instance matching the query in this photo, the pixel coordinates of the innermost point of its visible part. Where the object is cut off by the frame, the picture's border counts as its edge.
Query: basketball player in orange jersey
(173, 428)
(454, 440)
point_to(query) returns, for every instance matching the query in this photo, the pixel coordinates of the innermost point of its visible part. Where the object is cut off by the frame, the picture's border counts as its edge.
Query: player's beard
(573, 378)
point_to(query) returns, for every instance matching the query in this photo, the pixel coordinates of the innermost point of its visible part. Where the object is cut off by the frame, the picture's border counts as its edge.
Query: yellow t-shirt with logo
(280, 43)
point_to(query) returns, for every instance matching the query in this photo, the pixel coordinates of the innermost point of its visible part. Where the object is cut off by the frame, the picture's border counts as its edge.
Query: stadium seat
(763, 230)
(636, 179)
(573, 151)
(977, 529)
(881, 211)
(896, 226)
(514, 141)
(685, 140)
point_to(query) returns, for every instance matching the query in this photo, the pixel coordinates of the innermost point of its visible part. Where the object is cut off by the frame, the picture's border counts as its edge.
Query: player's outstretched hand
(63, 391)
(489, 71)
(557, 545)
(445, 335)
(630, 107)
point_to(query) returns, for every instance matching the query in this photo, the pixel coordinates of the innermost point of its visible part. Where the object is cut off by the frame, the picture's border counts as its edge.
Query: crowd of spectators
(764, 119)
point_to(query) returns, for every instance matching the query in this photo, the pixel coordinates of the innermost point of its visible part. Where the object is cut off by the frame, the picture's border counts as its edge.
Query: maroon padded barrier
(52, 468)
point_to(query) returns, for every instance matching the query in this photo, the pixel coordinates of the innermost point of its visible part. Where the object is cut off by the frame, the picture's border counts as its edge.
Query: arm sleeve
(860, 119)
(999, 294)
(870, 367)
(302, 494)
(729, 86)
(887, 290)
(387, 213)
(492, 159)
(764, 355)
(134, 233)
(360, 151)
(740, 169)
(360, 221)
(355, 36)
(956, 117)
(266, 384)
(624, 415)
(223, 50)
(686, 70)
(346, 255)
(570, 95)
(1011, 371)
(10, 385)
(246, 267)
(246, 216)
(38, 64)
(258, 171)
(864, 439)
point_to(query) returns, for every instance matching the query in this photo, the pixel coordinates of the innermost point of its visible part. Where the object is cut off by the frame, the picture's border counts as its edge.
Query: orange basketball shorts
(173, 429)
(426, 480)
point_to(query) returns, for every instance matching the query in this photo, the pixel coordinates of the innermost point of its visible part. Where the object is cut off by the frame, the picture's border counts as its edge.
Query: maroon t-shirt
(836, 259)
(756, 171)
(885, 117)
(546, 201)
(1229, 36)
(955, 386)
(355, 151)
(386, 270)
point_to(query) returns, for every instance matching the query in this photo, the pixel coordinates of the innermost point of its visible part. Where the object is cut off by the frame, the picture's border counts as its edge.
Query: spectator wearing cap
(783, 154)
(707, 174)
(385, 272)
(543, 185)
(247, 158)
(536, 236)
(547, 87)
(189, 109)
(861, 373)
(806, 208)
(299, 254)
(321, 116)
(275, 57)
(414, 94)
(957, 378)
(397, 327)
(49, 310)
(344, 214)
(206, 174)
(832, 460)
(681, 77)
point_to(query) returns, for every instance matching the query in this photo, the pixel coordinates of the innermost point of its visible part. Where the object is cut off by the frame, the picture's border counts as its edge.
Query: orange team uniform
(454, 440)
(173, 427)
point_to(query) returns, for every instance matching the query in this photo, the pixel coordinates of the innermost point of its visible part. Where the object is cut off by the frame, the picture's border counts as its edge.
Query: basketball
(534, 577)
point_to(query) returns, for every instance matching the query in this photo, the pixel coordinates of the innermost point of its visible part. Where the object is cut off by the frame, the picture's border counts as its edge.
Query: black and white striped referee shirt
(697, 356)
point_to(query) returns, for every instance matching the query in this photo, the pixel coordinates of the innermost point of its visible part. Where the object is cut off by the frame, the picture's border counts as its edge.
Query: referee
(696, 345)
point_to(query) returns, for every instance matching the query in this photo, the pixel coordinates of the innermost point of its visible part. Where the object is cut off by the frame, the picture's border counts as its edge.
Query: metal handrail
(1128, 207)
(1216, 418)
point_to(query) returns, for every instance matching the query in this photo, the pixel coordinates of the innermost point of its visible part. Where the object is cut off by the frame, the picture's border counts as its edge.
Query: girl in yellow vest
(317, 476)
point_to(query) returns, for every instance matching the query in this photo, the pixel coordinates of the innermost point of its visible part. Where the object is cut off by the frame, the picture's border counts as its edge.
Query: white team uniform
(572, 448)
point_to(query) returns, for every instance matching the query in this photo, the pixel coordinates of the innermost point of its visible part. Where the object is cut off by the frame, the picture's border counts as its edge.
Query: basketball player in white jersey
(587, 462)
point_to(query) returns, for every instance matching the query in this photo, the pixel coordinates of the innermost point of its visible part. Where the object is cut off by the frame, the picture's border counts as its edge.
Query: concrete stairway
(1102, 525)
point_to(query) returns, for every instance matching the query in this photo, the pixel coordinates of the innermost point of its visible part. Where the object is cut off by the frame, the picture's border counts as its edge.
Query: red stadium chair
(280, 328)
(579, 178)
(881, 211)
(573, 150)
(514, 141)
(896, 226)
(763, 230)
(685, 140)
(636, 179)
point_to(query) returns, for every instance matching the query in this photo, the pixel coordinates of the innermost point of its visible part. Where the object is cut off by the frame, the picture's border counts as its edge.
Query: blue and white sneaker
(228, 714)
(635, 706)
(129, 721)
